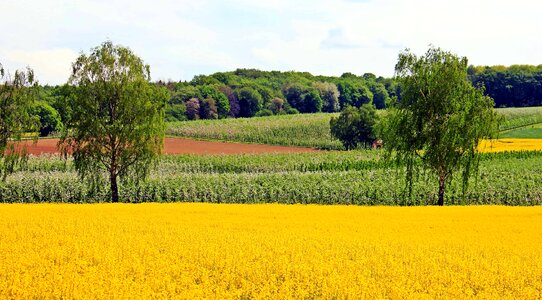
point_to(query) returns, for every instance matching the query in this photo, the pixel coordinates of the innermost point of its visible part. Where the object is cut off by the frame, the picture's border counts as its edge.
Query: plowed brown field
(180, 146)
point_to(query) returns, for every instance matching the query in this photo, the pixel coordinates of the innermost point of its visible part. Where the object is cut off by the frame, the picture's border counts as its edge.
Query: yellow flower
(503, 145)
(219, 251)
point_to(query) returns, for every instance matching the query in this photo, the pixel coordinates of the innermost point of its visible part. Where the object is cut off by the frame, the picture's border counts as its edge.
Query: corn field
(355, 177)
(306, 130)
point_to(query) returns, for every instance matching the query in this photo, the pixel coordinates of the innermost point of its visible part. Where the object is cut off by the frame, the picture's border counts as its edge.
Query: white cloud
(182, 38)
(50, 65)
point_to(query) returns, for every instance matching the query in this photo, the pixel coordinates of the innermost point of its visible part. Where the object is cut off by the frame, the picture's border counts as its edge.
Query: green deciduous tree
(17, 95)
(250, 102)
(220, 100)
(117, 123)
(440, 118)
(355, 126)
(312, 102)
(49, 118)
(193, 109)
(353, 93)
(208, 109)
(329, 94)
(61, 101)
(276, 105)
(176, 112)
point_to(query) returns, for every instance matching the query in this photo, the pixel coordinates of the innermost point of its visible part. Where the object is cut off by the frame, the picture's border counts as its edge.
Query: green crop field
(306, 130)
(520, 117)
(328, 177)
(310, 130)
(526, 132)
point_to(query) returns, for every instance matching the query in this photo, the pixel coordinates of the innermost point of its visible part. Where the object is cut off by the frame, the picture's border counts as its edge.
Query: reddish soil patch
(180, 146)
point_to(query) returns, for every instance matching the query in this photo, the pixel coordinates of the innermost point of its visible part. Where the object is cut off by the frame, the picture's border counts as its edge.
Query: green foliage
(292, 111)
(17, 95)
(250, 101)
(276, 105)
(294, 93)
(312, 102)
(176, 112)
(61, 99)
(220, 101)
(355, 126)
(208, 109)
(193, 109)
(514, 86)
(327, 177)
(380, 95)
(440, 118)
(329, 94)
(48, 117)
(264, 113)
(303, 98)
(308, 130)
(117, 123)
(183, 93)
(519, 117)
(353, 93)
(527, 132)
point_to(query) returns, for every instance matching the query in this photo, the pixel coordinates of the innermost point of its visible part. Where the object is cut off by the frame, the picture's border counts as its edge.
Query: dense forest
(514, 86)
(250, 92)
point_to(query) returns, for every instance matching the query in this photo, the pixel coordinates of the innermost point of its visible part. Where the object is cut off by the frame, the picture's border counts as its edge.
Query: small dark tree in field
(16, 98)
(117, 123)
(440, 118)
(355, 126)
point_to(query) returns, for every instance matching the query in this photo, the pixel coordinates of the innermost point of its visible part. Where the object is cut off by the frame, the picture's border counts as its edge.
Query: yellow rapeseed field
(110, 251)
(503, 145)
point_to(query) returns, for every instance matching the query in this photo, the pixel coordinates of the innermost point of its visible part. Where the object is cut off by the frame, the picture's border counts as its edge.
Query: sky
(180, 39)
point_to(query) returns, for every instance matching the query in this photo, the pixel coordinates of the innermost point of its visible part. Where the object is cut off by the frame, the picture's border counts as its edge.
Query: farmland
(360, 177)
(269, 251)
(307, 130)
(312, 130)
(270, 150)
(365, 247)
(325, 177)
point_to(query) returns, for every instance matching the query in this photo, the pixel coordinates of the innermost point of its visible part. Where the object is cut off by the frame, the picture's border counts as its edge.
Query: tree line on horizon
(251, 92)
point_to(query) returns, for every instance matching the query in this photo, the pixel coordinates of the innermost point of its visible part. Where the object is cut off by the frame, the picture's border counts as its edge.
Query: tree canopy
(440, 118)
(17, 96)
(117, 122)
(355, 126)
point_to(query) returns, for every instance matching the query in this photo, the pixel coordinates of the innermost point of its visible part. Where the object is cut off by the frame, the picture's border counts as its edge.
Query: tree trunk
(114, 188)
(441, 186)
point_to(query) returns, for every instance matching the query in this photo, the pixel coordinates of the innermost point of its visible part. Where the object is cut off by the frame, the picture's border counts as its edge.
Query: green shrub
(264, 113)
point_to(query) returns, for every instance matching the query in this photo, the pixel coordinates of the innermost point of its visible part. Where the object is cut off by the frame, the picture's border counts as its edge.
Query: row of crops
(306, 130)
(356, 177)
(520, 117)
